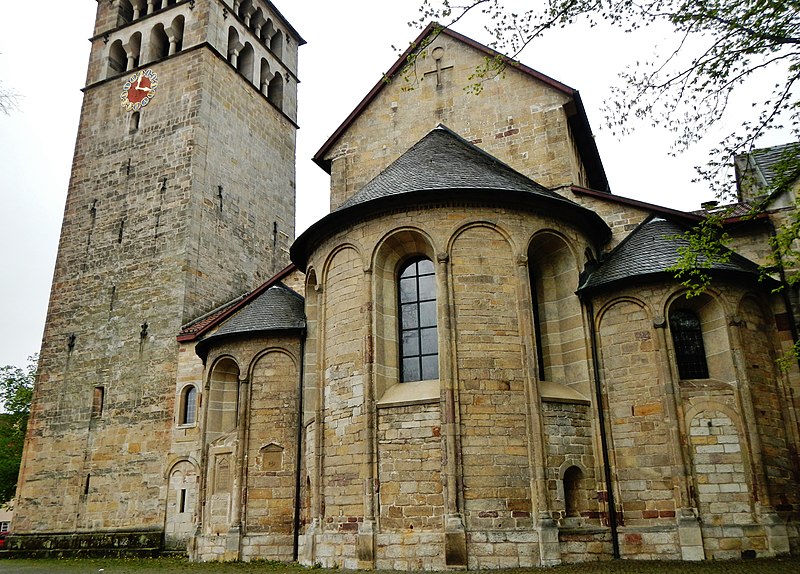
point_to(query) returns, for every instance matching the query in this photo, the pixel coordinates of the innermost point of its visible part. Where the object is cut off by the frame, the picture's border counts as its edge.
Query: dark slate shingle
(652, 248)
(442, 160)
(278, 308)
(767, 160)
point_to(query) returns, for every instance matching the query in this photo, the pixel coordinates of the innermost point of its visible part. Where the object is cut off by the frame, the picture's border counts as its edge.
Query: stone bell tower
(182, 196)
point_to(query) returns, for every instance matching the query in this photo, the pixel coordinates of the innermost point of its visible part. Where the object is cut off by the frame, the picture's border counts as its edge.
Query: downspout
(612, 507)
(298, 456)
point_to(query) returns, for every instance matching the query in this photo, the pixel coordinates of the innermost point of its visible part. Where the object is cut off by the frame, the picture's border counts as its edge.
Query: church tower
(182, 196)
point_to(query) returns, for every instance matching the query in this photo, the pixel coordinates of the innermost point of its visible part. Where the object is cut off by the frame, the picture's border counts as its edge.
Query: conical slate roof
(444, 160)
(652, 248)
(443, 167)
(276, 309)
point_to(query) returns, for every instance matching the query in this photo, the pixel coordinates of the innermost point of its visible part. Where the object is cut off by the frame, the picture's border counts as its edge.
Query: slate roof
(195, 329)
(730, 210)
(444, 160)
(766, 160)
(651, 249)
(444, 167)
(276, 309)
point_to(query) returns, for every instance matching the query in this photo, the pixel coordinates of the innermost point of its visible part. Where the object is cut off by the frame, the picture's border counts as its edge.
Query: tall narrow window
(189, 406)
(125, 15)
(572, 491)
(134, 125)
(419, 342)
(687, 336)
(537, 323)
(97, 401)
(275, 91)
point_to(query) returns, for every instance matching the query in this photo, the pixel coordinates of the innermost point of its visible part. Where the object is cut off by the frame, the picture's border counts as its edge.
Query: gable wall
(516, 118)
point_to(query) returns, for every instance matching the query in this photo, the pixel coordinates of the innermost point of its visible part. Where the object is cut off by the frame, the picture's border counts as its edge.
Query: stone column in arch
(233, 546)
(549, 546)
(775, 528)
(690, 535)
(365, 541)
(455, 536)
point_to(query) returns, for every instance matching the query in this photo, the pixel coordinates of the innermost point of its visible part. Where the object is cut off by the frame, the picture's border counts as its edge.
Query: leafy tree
(718, 47)
(16, 391)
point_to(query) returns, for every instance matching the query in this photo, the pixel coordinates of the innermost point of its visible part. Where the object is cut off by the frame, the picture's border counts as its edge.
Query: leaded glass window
(687, 336)
(419, 341)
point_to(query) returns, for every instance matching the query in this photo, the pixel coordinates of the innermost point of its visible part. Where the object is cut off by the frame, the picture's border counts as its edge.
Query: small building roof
(278, 308)
(195, 329)
(652, 249)
(765, 164)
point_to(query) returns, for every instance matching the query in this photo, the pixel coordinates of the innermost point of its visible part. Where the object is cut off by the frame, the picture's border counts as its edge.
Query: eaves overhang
(345, 217)
(203, 346)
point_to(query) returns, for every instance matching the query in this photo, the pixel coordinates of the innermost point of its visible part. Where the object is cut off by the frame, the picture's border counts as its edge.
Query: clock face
(139, 90)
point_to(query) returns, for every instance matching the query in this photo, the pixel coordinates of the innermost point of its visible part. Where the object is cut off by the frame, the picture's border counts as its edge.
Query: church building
(480, 358)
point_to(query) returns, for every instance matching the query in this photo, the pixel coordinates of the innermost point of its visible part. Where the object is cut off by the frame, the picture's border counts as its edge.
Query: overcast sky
(43, 56)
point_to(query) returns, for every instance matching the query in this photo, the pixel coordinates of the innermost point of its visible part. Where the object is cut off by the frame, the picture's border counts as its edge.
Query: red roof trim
(319, 157)
(205, 325)
(605, 196)
(746, 218)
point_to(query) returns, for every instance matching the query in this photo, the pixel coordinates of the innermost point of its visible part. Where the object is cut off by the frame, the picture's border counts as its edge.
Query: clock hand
(140, 87)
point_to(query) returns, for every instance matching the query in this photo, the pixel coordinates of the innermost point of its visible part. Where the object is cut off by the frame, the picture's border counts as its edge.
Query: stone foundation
(57, 545)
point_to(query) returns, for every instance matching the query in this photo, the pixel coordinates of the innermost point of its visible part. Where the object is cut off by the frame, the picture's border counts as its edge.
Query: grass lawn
(130, 565)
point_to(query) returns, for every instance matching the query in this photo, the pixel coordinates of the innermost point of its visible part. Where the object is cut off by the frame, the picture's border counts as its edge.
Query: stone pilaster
(455, 537)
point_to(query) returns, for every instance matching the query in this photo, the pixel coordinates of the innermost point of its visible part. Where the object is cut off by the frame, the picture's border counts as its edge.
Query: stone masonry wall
(410, 469)
(516, 118)
(723, 492)
(770, 404)
(496, 468)
(118, 269)
(267, 456)
(343, 395)
(484, 272)
(145, 247)
(636, 397)
(272, 449)
(568, 431)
